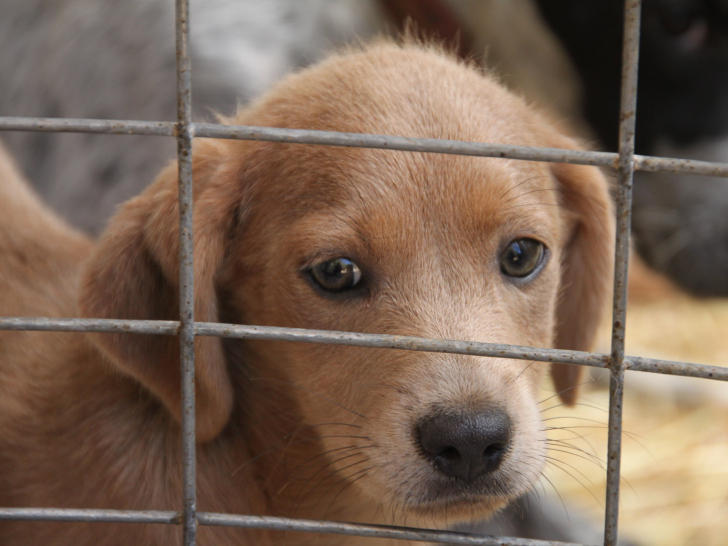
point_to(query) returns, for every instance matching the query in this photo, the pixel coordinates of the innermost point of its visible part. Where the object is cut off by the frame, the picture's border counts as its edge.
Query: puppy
(404, 243)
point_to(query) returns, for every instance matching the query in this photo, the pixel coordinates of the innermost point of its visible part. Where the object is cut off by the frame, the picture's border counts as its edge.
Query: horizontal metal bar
(264, 522)
(101, 326)
(362, 530)
(382, 142)
(382, 341)
(479, 149)
(688, 166)
(327, 138)
(668, 367)
(71, 514)
(407, 343)
(101, 126)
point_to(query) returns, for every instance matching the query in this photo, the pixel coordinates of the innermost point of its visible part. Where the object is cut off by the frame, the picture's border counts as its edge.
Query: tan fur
(293, 429)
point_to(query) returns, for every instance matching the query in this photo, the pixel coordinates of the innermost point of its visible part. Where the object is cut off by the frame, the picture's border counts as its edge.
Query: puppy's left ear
(586, 268)
(134, 274)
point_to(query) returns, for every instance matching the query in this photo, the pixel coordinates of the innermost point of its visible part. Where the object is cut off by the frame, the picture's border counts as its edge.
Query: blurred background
(115, 60)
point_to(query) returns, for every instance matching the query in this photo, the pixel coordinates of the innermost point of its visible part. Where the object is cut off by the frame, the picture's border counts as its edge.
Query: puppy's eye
(336, 275)
(522, 257)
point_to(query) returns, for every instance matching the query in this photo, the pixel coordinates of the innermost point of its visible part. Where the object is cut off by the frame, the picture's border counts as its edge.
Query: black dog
(680, 222)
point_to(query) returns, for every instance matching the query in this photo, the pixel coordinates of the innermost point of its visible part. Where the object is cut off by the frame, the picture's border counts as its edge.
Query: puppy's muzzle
(466, 445)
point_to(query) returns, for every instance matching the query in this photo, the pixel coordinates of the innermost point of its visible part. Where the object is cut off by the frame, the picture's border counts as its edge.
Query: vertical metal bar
(186, 293)
(628, 110)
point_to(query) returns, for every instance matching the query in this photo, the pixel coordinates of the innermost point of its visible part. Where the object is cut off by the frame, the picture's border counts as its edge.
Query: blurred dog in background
(680, 221)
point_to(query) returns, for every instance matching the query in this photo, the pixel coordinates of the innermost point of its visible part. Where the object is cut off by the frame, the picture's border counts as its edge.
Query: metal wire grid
(625, 163)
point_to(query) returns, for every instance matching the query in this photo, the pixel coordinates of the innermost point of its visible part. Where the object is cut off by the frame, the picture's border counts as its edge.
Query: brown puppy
(314, 237)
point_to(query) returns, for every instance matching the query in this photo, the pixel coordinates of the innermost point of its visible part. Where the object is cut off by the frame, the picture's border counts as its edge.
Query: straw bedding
(675, 448)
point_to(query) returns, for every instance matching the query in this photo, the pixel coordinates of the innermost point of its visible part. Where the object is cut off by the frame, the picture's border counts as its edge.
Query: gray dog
(116, 60)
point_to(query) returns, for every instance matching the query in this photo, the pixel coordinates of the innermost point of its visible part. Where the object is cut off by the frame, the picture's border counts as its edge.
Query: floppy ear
(587, 270)
(134, 275)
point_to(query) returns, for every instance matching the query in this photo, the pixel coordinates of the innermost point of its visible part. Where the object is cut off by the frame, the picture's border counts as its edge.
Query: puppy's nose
(466, 445)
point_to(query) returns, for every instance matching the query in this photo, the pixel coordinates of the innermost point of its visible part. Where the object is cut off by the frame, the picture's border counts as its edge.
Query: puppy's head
(427, 245)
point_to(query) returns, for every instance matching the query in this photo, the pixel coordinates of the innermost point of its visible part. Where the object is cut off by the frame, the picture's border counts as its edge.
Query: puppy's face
(401, 243)
(407, 244)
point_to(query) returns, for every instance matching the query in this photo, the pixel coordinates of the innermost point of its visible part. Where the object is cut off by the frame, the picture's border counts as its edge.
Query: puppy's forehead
(392, 198)
(424, 185)
(407, 91)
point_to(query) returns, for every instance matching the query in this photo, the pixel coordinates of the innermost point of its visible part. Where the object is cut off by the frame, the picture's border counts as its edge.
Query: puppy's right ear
(134, 274)
(587, 265)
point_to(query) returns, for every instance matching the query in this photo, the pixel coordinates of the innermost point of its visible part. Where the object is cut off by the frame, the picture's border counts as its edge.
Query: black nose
(466, 445)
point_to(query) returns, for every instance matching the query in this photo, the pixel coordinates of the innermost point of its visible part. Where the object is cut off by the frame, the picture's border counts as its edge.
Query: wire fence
(184, 130)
